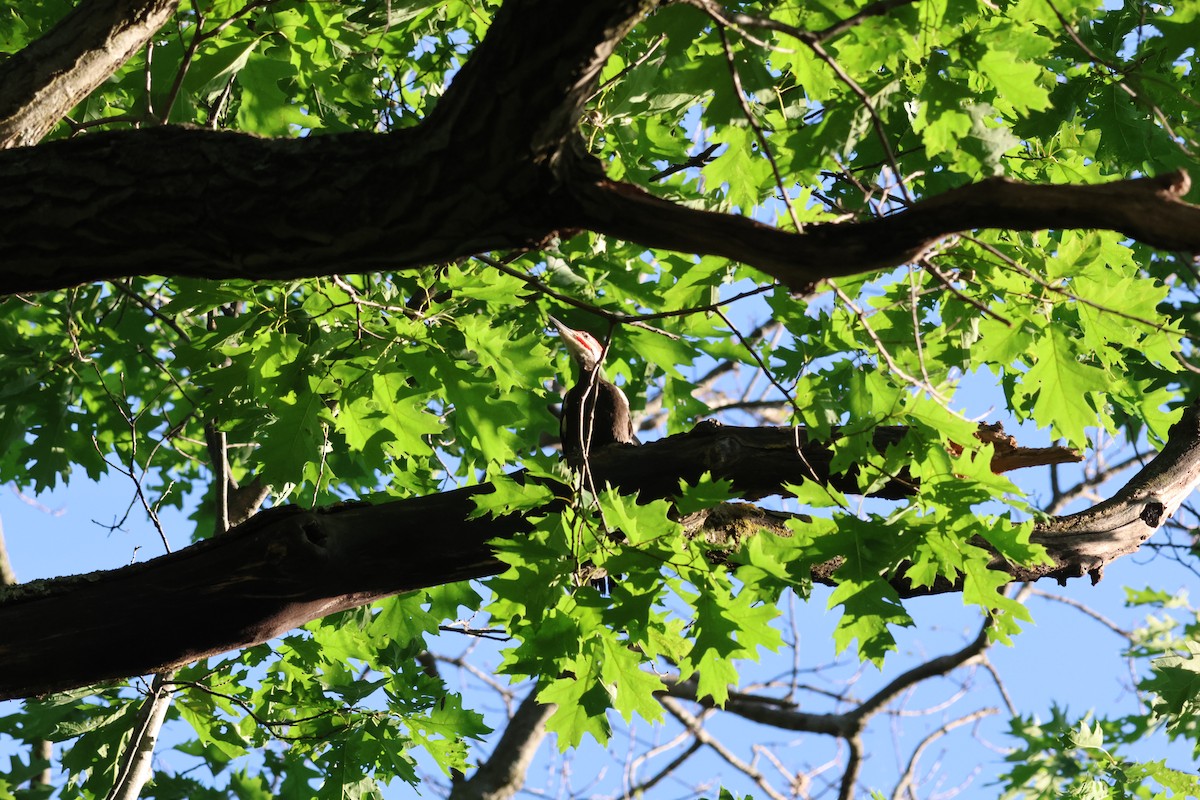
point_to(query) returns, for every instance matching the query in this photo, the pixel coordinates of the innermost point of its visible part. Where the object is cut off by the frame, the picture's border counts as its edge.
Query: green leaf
(581, 705)
(1176, 683)
(869, 610)
(725, 628)
(632, 688)
(706, 493)
(641, 524)
(1063, 384)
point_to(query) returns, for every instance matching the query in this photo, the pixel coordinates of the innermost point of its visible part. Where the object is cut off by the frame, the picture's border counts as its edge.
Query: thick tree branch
(477, 175)
(287, 566)
(375, 202)
(41, 83)
(1147, 209)
(482, 172)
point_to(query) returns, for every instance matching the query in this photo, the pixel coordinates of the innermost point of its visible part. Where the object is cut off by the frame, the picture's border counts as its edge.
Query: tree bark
(503, 774)
(287, 566)
(498, 164)
(40, 84)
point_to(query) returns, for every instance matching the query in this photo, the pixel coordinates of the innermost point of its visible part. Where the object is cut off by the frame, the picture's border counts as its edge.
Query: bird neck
(586, 373)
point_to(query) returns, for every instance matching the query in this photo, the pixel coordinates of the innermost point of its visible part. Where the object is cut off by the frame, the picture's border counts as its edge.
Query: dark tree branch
(288, 566)
(1147, 209)
(482, 172)
(849, 725)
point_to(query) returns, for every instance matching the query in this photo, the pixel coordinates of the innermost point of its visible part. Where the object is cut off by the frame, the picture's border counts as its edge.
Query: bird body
(595, 411)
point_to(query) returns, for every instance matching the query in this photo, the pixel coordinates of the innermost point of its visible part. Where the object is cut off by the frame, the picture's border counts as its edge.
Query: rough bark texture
(287, 566)
(42, 83)
(498, 164)
(107, 205)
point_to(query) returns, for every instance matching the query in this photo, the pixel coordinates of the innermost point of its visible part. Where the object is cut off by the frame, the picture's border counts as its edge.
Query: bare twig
(929, 669)
(695, 726)
(949, 286)
(905, 784)
(739, 20)
(752, 121)
(1064, 497)
(698, 160)
(640, 788)
(1086, 609)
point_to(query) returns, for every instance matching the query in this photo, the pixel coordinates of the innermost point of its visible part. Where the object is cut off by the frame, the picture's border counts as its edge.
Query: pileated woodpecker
(595, 412)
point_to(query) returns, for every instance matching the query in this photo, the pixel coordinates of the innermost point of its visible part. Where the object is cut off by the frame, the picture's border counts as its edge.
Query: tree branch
(503, 774)
(45, 80)
(396, 201)
(1147, 209)
(136, 760)
(696, 727)
(287, 566)
(906, 785)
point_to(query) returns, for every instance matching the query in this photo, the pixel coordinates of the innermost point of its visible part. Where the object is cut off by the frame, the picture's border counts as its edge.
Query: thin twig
(699, 160)
(882, 349)
(1086, 609)
(930, 669)
(949, 286)
(696, 726)
(876, 120)
(618, 317)
(987, 664)
(271, 725)
(748, 113)
(640, 788)
(123, 288)
(905, 784)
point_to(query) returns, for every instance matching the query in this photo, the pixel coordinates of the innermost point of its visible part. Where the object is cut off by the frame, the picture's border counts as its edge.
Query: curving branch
(287, 566)
(906, 786)
(1150, 210)
(480, 173)
(849, 725)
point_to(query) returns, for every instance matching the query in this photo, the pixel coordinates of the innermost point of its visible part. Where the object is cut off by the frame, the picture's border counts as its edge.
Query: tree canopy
(287, 267)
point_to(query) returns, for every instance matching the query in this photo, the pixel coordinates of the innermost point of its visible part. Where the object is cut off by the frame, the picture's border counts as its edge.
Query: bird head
(582, 346)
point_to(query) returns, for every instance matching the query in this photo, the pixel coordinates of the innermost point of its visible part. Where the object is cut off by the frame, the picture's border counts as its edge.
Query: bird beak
(562, 329)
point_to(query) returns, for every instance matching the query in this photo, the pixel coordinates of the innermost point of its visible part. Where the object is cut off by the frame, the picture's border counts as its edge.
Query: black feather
(595, 413)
